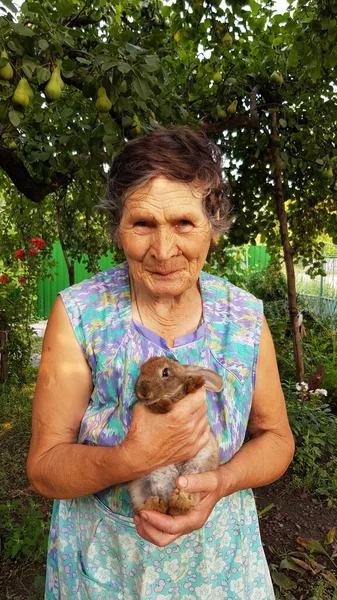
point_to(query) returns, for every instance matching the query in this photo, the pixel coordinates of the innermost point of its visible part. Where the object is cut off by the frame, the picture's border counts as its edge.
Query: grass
(24, 517)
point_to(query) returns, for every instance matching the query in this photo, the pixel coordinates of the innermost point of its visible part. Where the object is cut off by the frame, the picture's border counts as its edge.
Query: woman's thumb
(203, 482)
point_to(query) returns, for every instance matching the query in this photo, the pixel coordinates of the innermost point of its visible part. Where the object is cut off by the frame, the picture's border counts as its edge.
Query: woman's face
(165, 236)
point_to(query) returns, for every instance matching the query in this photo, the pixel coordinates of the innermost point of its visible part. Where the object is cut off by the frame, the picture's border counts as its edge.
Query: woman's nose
(164, 245)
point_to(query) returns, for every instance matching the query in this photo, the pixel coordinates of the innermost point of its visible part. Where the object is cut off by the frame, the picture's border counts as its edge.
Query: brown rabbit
(161, 383)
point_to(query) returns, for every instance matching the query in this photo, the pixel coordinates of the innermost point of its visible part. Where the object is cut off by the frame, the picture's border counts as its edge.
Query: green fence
(49, 288)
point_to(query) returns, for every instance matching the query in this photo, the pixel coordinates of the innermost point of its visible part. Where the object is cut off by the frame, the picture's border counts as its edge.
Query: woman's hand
(162, 530)
(155, 440)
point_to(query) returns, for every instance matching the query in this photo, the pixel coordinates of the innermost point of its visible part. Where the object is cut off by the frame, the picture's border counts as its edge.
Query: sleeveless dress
(94, 550)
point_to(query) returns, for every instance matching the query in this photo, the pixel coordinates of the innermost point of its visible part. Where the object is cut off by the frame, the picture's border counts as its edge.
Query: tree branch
(33, 190)
(236, 122)
(253, 103)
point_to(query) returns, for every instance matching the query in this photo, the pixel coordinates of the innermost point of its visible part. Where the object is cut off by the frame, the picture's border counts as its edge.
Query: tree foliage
(225, 68)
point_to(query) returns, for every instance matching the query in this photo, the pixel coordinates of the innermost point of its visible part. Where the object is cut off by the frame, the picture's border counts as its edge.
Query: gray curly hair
(178, 153)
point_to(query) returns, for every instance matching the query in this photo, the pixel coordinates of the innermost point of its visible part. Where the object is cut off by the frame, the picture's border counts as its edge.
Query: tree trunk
(287, 250)
(3, 356)
(70, 264)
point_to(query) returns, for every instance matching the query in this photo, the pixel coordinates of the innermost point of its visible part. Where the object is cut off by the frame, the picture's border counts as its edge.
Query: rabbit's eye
(165, 372)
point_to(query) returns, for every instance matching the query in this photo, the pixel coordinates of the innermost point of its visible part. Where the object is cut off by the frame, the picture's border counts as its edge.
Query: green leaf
(312, 545)
(14, 117)
(108, 65)
(43, 44)
(132, 49)
(8, 4)
(290, 564)
(123, 67)
(42, 75)
(141, 88)
(27, 71)
(152, 63)
(282, 581)
(21, 29)
(330, 536)
(16, 47)
(110, 127)
(83, 61)
(283, 122)
(270, 506)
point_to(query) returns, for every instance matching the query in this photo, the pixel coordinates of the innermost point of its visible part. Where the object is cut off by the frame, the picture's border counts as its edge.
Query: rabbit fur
(161, 383)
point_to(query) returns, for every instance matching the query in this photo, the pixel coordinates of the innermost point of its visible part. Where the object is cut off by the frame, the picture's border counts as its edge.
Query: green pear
(53, 89)
(26, 88)
(123, 87)
(6, 72)
(328, 173)
(103, 104)
(227, 39)
(217, 77)
(57, 71)
(276, 77)
(22, 93)
(231, 110)
(220, 112)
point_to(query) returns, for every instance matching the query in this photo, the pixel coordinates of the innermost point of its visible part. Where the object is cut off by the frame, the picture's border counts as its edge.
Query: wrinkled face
(165, 236)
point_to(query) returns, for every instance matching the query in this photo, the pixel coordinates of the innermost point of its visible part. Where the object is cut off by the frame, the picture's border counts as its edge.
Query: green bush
(315, 430)
(26, 529)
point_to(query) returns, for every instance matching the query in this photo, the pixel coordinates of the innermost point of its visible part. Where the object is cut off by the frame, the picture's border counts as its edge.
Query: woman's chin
(174, 283)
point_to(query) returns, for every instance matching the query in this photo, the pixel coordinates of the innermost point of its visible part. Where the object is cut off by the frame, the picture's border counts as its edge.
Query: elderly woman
(166, 203)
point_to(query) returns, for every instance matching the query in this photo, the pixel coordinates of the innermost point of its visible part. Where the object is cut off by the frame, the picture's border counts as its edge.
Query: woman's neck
(168, 316)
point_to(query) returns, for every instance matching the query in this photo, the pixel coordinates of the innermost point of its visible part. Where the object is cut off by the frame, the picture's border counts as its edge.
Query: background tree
(257, 82)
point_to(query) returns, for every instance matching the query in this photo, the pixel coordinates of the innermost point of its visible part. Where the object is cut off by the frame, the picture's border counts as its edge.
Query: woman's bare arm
(59, 467)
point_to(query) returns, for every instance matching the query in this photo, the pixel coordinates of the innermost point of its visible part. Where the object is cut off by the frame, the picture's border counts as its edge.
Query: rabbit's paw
(179, 502)
(154, 503)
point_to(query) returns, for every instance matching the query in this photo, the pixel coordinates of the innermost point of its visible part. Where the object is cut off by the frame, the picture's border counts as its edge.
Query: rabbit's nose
(145, 389)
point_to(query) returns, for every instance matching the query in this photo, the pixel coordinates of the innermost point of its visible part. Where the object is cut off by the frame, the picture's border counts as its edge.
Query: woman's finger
(173, 526)
(204, 482)
(152, 534)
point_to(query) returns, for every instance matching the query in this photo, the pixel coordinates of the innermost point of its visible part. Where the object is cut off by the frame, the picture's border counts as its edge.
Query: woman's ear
(117, 240)
(214, 238)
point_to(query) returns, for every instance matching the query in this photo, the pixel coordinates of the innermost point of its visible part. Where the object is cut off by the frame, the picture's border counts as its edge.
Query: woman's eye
(184, 223)
(142, 224)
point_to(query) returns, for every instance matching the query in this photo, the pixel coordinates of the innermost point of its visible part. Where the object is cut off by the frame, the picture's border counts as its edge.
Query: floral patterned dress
(94, 550)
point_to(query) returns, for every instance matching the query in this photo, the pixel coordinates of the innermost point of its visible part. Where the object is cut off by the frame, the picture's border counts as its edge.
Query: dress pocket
(91, 589)
(101, 556)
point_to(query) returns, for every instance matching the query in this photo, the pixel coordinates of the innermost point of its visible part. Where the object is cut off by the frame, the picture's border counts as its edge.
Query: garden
(77, 80)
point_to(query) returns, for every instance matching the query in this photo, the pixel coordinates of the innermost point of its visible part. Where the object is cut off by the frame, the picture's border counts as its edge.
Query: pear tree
(259, 83)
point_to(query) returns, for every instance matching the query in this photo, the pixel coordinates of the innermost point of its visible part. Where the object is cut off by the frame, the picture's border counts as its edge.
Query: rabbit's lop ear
(213, 381)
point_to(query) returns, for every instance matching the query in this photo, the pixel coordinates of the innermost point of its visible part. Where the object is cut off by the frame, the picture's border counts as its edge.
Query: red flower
(4, 278)
(38, 242)
(19, 254)
(33, 252)
(22, 280)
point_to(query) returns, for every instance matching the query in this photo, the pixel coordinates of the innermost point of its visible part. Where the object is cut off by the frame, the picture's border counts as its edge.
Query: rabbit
(161, 383)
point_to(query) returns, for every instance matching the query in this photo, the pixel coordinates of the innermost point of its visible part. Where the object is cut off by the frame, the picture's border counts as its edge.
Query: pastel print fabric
(94, 549)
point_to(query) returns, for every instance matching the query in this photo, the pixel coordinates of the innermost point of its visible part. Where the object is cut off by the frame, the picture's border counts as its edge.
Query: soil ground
(292, 516)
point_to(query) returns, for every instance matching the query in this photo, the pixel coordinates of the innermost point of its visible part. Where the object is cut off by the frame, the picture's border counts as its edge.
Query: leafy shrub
(315, 430)
(26, 529)
(19, 273)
